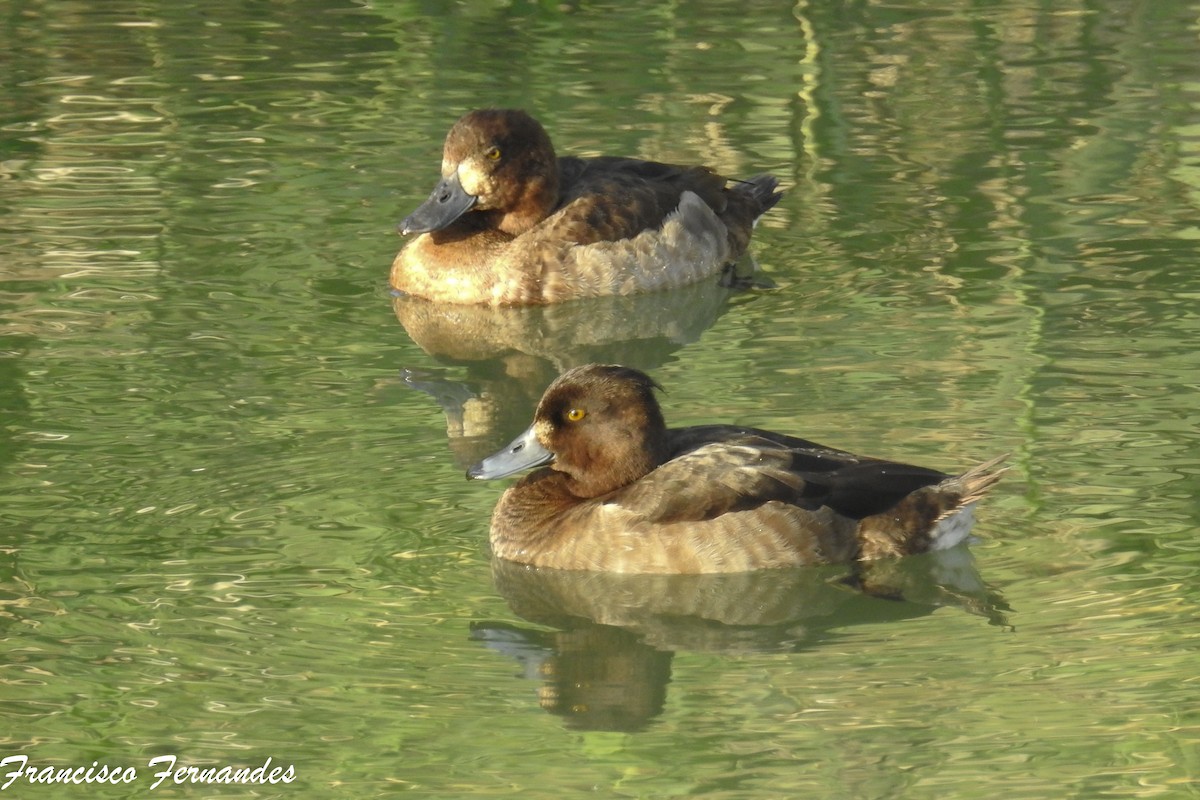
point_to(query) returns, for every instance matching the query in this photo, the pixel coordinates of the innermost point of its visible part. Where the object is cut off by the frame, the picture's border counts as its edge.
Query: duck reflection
(512, 353)
(607, 662)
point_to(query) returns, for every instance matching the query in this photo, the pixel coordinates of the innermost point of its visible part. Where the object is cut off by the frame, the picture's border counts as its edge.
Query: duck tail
(760, 190)
(935, 517)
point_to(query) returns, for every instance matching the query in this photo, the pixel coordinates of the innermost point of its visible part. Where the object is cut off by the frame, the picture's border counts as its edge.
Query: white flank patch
(952, 529)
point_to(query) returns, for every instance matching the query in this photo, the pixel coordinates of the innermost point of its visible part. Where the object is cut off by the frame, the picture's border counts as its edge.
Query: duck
(512, 223)
(615, 490)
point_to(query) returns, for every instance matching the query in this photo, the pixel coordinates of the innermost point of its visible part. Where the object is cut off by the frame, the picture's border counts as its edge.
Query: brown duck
(619, 491)
(511, 223)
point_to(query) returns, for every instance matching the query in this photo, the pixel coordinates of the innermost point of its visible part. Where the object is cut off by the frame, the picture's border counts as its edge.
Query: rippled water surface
(234, 522)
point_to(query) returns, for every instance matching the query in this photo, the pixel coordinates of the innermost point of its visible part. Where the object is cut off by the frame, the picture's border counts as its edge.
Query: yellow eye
(493, 153)
(576, 414)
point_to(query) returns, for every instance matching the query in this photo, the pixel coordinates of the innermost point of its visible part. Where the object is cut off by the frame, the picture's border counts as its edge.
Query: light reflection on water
(234, 529)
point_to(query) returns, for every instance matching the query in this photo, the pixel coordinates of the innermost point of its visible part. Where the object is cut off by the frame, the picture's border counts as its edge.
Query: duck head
(496, 162)
(599, 424)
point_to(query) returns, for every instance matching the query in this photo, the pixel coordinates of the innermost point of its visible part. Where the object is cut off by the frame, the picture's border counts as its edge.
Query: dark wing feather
(871, 487)
(608, 199)
(717, 468)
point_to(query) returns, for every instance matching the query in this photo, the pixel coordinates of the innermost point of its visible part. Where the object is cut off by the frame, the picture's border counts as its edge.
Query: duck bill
(448, 202)
(521, 453)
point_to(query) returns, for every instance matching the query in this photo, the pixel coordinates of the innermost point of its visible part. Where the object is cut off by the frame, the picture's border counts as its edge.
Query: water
(235, 522)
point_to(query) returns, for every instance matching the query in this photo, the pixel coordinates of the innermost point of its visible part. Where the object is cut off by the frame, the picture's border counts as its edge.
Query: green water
(233, 521)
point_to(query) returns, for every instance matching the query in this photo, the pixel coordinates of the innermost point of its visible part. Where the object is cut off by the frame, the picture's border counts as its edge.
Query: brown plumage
(510, 223)
(623, 493)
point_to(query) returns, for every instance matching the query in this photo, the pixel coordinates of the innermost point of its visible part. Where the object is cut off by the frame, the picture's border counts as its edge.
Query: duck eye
(576, 414)
(493, 153)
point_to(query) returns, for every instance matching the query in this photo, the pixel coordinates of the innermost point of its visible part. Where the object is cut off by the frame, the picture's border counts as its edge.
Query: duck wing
(712, 469)
(607, 199)
(713, 479)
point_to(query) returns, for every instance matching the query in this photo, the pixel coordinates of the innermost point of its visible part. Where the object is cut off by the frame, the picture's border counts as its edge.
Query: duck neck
(539, 197)
(611, 472)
